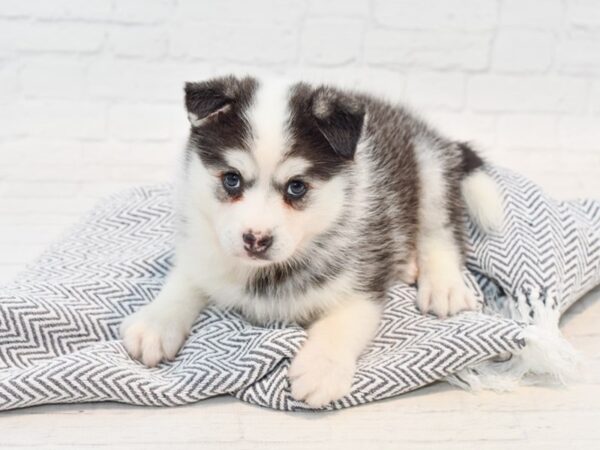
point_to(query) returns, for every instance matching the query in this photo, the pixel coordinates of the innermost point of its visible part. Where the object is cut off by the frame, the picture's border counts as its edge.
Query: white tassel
(546, 358)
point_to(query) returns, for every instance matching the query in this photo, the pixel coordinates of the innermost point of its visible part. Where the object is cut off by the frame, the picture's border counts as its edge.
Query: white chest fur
(224, 280)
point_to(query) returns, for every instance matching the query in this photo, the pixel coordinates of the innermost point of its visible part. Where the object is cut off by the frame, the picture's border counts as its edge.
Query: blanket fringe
(545, 358)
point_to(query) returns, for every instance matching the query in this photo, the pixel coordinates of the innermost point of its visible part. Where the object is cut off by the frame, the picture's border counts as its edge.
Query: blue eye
(232, 182)
(296, 189)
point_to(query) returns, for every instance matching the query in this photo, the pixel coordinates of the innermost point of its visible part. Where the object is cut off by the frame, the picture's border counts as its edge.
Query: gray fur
(373, 241)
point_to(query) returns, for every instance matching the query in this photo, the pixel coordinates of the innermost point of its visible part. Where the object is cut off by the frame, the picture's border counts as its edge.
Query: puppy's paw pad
(318, 378)
(444, 296)
(152, 339)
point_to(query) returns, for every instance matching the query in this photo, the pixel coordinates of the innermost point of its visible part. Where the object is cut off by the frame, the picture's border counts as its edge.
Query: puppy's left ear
(206, 99)
(340, 119)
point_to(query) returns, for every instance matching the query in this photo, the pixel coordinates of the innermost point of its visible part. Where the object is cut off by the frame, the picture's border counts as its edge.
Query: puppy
(304, 204)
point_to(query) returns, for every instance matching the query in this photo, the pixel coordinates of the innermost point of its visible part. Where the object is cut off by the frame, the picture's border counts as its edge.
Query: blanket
(59, 319)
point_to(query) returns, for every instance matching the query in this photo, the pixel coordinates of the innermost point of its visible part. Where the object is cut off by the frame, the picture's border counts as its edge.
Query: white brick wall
(90, 91)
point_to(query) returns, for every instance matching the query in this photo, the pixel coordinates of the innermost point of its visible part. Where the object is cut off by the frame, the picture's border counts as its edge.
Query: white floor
(437, 417)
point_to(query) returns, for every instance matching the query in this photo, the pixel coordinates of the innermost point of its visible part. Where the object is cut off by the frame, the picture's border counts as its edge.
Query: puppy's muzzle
(257, 244)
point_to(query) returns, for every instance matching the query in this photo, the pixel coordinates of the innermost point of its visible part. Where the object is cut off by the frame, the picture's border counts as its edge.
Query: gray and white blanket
(59, 319)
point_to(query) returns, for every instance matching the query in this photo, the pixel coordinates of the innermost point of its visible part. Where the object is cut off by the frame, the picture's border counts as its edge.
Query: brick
(528, 131)
(240, 43)
(58, 9)
(478, 129)
(41, 189)
(131, 173)
(141, 121)
(53, 36)
(579, 53)
(8, 81)
(36, 150)
(11, 32)
(121, 80)
(33, 233)
(100, 190)
(115, 153)
(15, 8)
(542, 167)
(585, 13)
(441, 50)
(595, 98)
(109, 152)
(436, 90)
(148, 81)
(526, 94)
(138, 41)
(229, 67)
(386, 83)
(35, 174)
(255, 11)
(136, 173)
(44, 173)
(321, 41)
(11, 125)
(460, 15)
(58, 218)
(581, 133)
(43, 205)
(63, 119)
(112, 79)
(531, 13)
(53, 78)
(566, 174)
(525, 51)
(339, 8)
(142, 11)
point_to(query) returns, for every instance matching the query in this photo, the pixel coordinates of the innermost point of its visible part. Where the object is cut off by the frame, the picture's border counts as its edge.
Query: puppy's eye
(296, 189)
(232, 182)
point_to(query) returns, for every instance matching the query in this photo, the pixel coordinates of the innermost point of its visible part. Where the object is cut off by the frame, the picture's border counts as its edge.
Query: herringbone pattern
(59, 319)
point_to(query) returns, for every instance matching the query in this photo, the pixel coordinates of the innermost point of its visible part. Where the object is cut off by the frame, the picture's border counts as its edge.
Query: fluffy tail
(480, 192)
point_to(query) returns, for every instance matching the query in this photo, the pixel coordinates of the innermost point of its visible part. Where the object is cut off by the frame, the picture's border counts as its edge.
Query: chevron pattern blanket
(59, 319)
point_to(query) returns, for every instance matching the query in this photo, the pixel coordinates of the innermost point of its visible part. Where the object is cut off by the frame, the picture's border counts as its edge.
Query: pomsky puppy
(304, 203)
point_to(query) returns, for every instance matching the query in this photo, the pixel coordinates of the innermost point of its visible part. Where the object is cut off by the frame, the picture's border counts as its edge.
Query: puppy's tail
(480, 192)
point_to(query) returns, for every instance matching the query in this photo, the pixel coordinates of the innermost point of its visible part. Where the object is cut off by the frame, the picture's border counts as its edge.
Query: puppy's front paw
(151, 335)
(318, 376)
(444, 294)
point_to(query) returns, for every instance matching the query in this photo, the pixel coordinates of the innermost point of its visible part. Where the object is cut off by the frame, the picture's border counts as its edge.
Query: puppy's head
(269, 163)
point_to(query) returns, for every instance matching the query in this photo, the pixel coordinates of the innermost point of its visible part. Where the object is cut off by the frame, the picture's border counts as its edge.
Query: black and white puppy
(304, 204)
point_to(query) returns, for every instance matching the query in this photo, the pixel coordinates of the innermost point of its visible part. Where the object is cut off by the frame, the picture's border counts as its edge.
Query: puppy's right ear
(205, 100)
(340, 118)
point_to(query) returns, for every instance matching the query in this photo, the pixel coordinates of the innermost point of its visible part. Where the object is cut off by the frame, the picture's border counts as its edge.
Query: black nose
(257, 243)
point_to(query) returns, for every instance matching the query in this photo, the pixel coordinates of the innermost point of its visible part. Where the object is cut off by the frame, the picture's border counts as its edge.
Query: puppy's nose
(256, 242)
